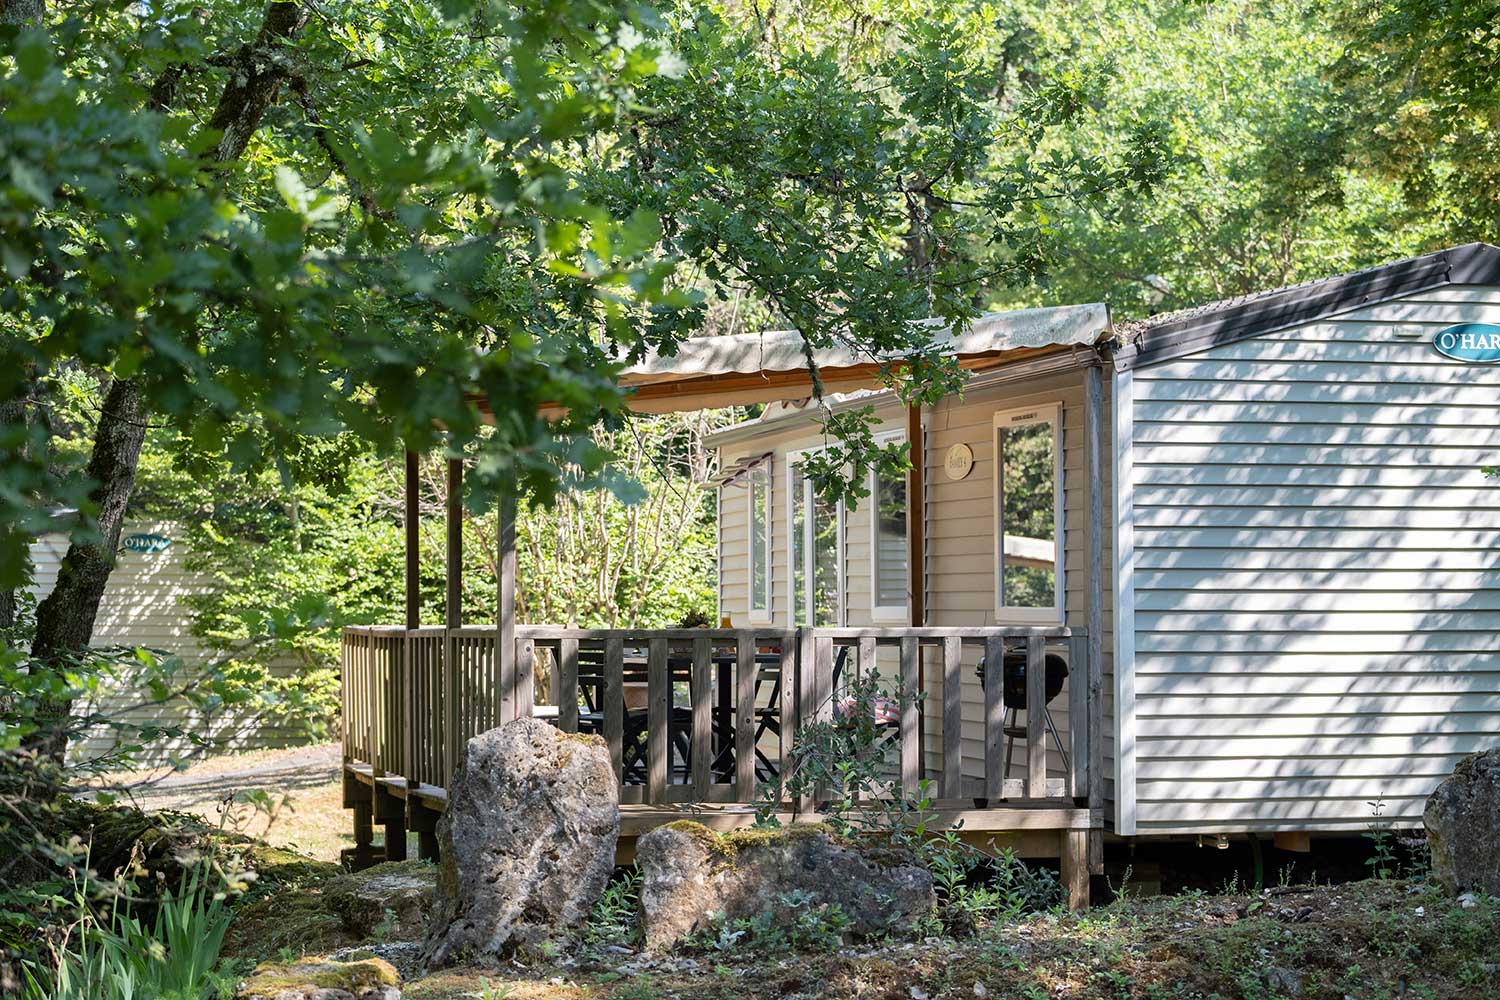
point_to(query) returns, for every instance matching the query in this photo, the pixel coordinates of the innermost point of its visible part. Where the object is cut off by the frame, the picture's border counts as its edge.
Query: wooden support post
(916, 562)
(362, 855)
(412, 525)
(453, 602)
(423, 822)
(390, 812)
(1299, 841)
(1074, 855)
(1094, 466)
(505, 618)
(916, 521)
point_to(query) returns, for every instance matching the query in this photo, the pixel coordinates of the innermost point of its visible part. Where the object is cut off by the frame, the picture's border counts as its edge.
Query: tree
(1424, 84)
(261, 223)
(1267, 180)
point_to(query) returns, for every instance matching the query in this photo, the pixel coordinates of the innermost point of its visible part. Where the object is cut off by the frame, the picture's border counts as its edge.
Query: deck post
(454, 571)
(411, 518)
(423, 822)
(505, 616)
(916, 556)
(390, 812)
(1074, 852)
(1094, 465)
(364, 829)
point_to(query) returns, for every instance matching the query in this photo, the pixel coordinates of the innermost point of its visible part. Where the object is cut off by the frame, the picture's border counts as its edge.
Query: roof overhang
(740, 369)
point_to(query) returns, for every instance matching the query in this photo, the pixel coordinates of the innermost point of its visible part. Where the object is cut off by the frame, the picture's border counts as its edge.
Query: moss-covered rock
(323, 979)
(297, 920)
(389, 902)
(691, 876)
(311, 907)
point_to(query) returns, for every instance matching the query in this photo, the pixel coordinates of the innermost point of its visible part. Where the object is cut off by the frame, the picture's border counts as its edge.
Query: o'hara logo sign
(146, 542)
(1477, 343)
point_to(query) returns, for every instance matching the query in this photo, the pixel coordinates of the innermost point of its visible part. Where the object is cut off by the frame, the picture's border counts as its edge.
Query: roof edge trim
(1469, 264)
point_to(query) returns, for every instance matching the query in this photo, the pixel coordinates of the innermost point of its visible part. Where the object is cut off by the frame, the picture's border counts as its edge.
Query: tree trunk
(65, 620)
(21, 12)
(257, 72)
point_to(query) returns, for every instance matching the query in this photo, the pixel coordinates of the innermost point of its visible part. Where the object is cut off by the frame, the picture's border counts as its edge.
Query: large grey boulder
(1463, 825)
(527, 841)
(691, 876)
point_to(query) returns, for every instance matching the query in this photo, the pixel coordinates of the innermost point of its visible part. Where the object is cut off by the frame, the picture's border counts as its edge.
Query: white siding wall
(960, 570)
(145, 604)
(1317, 571)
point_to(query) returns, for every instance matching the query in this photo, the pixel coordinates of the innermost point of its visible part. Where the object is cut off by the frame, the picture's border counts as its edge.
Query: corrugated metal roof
(784, 350)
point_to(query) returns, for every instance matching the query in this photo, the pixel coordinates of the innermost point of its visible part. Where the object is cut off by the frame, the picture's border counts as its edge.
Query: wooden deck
(721, 710)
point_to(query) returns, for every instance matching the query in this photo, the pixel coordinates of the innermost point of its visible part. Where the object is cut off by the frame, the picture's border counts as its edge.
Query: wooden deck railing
(698, 715)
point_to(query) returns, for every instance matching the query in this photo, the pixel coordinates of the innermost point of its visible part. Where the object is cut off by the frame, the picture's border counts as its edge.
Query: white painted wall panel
(1317, 571)
(145, 604)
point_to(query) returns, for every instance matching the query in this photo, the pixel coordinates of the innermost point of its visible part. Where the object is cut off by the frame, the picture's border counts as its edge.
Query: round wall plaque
(959, 462)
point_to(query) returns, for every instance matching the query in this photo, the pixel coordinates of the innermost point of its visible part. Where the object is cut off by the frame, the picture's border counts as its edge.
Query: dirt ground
(1371, 940)
(288, 798)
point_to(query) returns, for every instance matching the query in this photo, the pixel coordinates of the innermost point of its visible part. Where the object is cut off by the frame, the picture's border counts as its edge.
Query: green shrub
(122, 957)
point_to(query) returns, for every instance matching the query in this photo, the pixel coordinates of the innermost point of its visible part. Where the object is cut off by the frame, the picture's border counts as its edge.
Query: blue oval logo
(146, 542)
(1478, 343)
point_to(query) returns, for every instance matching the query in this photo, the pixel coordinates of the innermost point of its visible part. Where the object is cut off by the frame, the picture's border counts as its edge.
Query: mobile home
(1303, 596)
(1257, 536)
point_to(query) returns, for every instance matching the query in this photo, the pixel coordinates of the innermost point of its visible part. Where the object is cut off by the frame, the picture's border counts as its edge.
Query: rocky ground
(306, 921)
(1363, 940)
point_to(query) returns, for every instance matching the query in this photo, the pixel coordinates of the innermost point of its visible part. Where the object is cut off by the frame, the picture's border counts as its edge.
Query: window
(815, 553)
(889, 580)
(760, 544)
(1028, 514)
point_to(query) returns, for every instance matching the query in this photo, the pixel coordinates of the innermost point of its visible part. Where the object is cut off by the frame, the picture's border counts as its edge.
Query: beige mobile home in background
(1302, 614)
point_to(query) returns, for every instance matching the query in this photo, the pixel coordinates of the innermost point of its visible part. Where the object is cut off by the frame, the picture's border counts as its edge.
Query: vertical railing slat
(450, 705)
(658, 713)
(703, 688)
(614, 701)
(953, 718)
(791, 651)
(994, 717)
(911, 750)
(1078, 715)
(744, 716)
(525, 677)
(566, 663)
(823, 694)
(1036, 706)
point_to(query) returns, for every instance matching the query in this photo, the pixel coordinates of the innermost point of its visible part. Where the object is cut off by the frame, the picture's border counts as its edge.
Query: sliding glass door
(816, 552)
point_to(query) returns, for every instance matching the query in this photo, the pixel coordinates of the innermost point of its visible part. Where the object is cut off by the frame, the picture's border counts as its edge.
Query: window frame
(878, 611)
(1049, 412)
(841, 570)
(760, 475)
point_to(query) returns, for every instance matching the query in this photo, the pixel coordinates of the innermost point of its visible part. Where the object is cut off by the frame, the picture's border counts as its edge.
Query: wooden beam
(412, 525)
(1074, 854)
(453, 608)
(1299, 841)
(916, 556)
(916, 516)
(1093, 416)
(505, 618)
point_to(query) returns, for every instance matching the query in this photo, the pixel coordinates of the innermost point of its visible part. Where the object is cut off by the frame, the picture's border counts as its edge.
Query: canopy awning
(735, 370)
